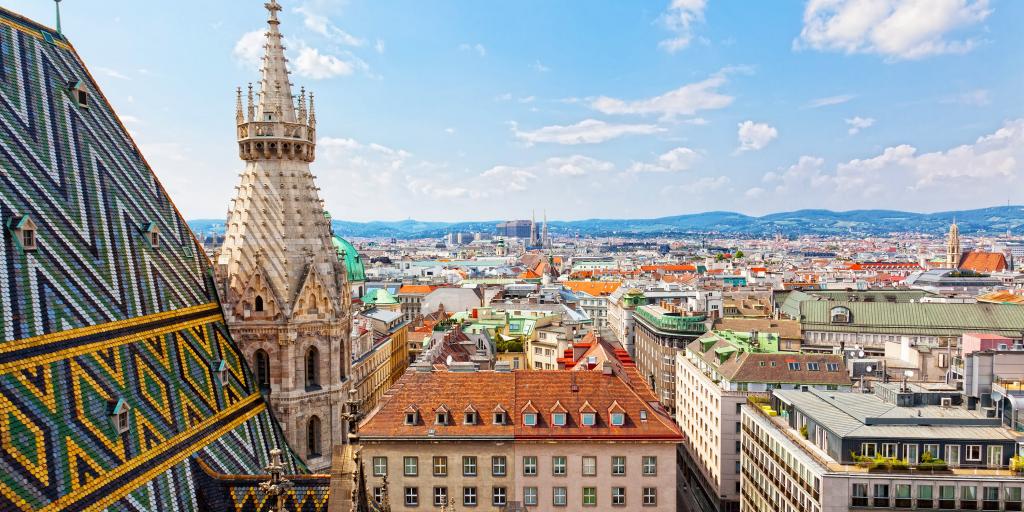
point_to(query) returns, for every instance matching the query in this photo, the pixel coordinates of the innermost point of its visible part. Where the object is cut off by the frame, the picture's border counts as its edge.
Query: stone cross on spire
(275, 88)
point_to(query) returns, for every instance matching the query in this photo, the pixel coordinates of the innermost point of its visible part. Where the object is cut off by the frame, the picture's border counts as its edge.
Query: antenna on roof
(57, 4)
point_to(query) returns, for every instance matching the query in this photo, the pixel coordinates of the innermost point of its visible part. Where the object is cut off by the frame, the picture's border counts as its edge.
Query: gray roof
(454, 300)
(858, 415)
(917, 318)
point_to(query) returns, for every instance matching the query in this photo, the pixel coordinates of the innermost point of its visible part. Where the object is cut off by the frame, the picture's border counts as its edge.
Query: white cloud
(320, 24)
(310, 63)
(711, 183)
(540, 67)
(684, 101)
(248, 49)
(675, 160)
(576, 165)
(379, 46)
(829, 101)
(527, 99)
(754, 192)
(897, 29)
(477, 48)
(754, 136)
(975, 98)
(969, 175)
(858, 123)
(588, 131)
(679, 18)
(113, 73)
(449, 130)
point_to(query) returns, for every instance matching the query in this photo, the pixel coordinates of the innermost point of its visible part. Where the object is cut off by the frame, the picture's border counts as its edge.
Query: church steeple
(953, 246)
(276, 100)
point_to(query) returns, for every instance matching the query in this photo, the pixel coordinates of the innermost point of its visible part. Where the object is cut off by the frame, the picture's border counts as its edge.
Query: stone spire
(533, 228)
(276, 101)
(544, 231)
(953, 246)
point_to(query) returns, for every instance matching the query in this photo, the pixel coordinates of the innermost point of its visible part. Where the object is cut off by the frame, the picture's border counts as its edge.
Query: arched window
(313, 368)
(313, 437)
(262, 370)
(840, 315)
(259, 303)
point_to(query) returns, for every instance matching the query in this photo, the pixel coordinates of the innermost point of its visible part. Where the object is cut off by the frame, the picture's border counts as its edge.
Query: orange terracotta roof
(1001, 297)
(983, 261)
(594, 288)
(530, 274)
(416, 288)
(484, 392)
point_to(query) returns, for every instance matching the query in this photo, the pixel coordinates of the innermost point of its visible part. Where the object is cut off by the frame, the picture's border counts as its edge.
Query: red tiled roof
(594, 288)
(416, 288)
(485, 391)
(668, 268)
(983, 261)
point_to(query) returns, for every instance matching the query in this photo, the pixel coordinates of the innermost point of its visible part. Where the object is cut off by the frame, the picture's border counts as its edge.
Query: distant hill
(998, 219)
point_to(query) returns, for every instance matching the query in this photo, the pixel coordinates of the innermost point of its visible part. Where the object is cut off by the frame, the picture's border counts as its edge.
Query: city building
(904, 447)
(411, 297)
(715, 375)
(661, 333)
(380, 355)
(121, 387)
(544, 440)
(594, 298)
(284, 288)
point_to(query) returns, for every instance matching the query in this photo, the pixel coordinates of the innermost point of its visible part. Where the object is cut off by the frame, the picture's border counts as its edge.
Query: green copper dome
(348, 255)
(379, 297)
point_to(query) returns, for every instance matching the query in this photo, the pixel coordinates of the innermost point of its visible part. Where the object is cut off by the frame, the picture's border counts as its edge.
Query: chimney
(606, 368)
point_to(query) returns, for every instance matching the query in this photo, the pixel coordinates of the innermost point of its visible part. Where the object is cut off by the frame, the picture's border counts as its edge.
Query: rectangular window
(559, 496)
(558, 465)
(440, 496)
(441, 466)
(868, 449)
(529, 466)
(1011, 494)
(953, 455)
(469, 465)
(813, 367)
(558, 419)
(530, 496)
(931, 449)
(650, 496)
(969, 493)
(910, 453)
(794, 366)
(947, 492)
(498, 463)
(498, 496)
(618, 419)
(925, 492)
(412, 496)
(411, 465)
(529, 419)
(990, 493)
(889, 450)
(618, 465)
(589, 466)
(973, 453)
(590, 496)
(650, 465)
(469, 496)
(618, 496)
(859, 495)
(380, 466)
(832, 367)
(995, 455)
(589, 419)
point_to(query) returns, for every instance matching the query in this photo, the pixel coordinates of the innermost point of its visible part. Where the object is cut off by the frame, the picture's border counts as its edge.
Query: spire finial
(252, 107)
(238, 106)
(57, 4)
(272, 8)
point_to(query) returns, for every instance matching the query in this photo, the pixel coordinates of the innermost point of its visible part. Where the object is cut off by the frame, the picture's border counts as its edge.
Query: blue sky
(463, 110)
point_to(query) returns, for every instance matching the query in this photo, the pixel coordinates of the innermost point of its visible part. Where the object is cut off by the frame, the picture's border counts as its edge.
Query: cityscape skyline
(463, 110)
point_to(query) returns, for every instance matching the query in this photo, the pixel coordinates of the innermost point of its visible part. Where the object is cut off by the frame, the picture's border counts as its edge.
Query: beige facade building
(544, 440)
(380, 354)
(284, 291)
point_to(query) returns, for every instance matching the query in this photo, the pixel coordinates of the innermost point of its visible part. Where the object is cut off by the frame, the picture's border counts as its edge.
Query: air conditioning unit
(947, 402)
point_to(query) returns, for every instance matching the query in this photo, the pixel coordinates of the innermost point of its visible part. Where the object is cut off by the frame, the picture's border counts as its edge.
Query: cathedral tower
(283, 288)
(953, 247)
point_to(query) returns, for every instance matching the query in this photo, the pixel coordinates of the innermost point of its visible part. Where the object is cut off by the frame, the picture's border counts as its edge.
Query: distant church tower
(953, 247)
(283, 288)
(533, 229)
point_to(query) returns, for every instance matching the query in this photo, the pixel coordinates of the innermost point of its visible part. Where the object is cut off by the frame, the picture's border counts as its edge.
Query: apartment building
(662, 331)
(715, 375)
(904, 447)
(545, 440)
(380, 354)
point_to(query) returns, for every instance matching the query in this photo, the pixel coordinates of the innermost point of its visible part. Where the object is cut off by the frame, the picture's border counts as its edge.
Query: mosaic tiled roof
(98, 319)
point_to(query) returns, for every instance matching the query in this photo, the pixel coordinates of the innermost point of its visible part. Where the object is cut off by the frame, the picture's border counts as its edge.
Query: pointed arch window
(259, 303)
(312, 369)
(262, 370)
(313, 437)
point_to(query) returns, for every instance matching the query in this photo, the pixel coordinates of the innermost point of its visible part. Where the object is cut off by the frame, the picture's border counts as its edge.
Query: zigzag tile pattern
(95, 315)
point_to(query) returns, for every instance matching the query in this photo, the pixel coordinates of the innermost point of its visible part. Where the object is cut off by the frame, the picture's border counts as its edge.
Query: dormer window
(79, 93)
(222, 370)
(588, 419)
(643, 415)
(469, 416)
(119, 416)
(840, 315)
(412, 415)
(441, 418)
(618, 419)
(558, 419)
(24, 232)
(530, 419)
(499, 418)
(152, 234)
